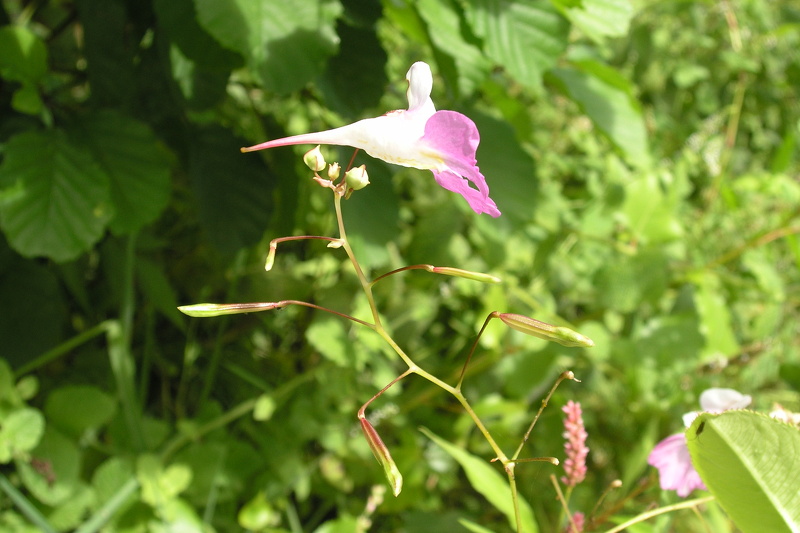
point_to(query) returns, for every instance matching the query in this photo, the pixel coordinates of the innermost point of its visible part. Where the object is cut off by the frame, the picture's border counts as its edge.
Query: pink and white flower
(443, 142)
(671, 455)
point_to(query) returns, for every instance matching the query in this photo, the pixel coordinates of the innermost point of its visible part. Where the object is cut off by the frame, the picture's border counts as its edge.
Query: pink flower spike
(444, 142)
(675, 471)
(575, 446)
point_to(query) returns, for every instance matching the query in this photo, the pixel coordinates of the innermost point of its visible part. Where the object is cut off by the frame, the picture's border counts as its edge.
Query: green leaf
(526, 38)
(137, 164)
(650, 211)
(285, 43)
(445, 30)
(485, 479)
(233, 191)
(159, 484)
(24, 57)
(716, 323)
(62, 203)
(599, 19)
(611, 108)
(75, 409)
(20, 432)
(751, 464)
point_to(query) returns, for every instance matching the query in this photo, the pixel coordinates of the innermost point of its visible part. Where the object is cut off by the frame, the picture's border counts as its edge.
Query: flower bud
(314, 160)
(381, 453)
(548, 332)
(357, 178)
(333, 171)
(475, 276)
(207, 310)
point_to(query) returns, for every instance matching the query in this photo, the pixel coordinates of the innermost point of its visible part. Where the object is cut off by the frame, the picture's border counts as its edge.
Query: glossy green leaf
(525, 38)
(751, 464)
(62, 201)
(285, 43)
(485, 478)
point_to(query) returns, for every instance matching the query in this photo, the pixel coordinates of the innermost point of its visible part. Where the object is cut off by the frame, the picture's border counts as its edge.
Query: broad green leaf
(258, 514)
(485, 479)
(285, 43)
(233, 190)
(612, 110)
(751, 464)
(159, 484)
(526, 37)
(24, 57)
(75, 409)
(599, 19)
(445, 29)
(20, 432)
(136, 163)
(62, 202)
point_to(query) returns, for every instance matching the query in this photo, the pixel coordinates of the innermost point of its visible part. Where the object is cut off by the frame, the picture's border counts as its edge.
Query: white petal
(718, 400)
(420, 85)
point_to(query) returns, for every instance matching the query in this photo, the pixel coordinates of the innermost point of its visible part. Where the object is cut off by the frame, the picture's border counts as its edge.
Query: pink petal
(675, 470)
(455, 138)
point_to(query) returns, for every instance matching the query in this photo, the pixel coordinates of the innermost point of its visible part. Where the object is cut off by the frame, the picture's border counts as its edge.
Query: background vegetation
(644, 156)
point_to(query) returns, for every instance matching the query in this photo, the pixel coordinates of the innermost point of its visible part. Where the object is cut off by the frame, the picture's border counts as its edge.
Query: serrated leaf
(137, 164)
(751, 464)
(526, 37)
(599, 19)
(485, 479)
(445, 30)
(611, 109)
(61, 205)
(285, 43)
(233, 191)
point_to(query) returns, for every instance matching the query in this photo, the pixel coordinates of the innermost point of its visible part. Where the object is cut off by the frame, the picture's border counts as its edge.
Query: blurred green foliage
(644, 156)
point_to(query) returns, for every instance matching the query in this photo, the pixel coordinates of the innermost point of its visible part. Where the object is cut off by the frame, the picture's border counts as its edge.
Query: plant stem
(661, 510)
(26, 507)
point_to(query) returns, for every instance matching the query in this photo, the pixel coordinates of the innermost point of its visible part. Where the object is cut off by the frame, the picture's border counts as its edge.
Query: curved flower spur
(443, 142)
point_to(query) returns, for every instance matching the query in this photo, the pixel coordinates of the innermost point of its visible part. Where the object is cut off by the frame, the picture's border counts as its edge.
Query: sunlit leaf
(64, 203)
(751, 464)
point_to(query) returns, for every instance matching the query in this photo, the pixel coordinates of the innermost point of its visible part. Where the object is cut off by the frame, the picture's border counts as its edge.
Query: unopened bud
(333, 171)
(314, 160)
(459, 273)
(548, 332)
(357, 178)
(381, 453)
(207, 310)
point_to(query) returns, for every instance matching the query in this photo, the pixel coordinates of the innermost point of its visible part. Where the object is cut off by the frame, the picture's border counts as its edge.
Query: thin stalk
(119, 335)
(26, 507)
(64, 348)
(108, 510)
(661, 510)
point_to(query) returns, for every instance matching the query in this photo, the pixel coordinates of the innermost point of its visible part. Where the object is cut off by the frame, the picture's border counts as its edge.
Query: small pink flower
(671, 455)
(575, 447)
(443, 142)
(675, 470)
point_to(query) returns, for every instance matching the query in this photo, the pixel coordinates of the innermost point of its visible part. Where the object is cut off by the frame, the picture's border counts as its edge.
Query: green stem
(661, 510)
(26, 507)
(119, 335)
(108, 510)
(64, 348)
